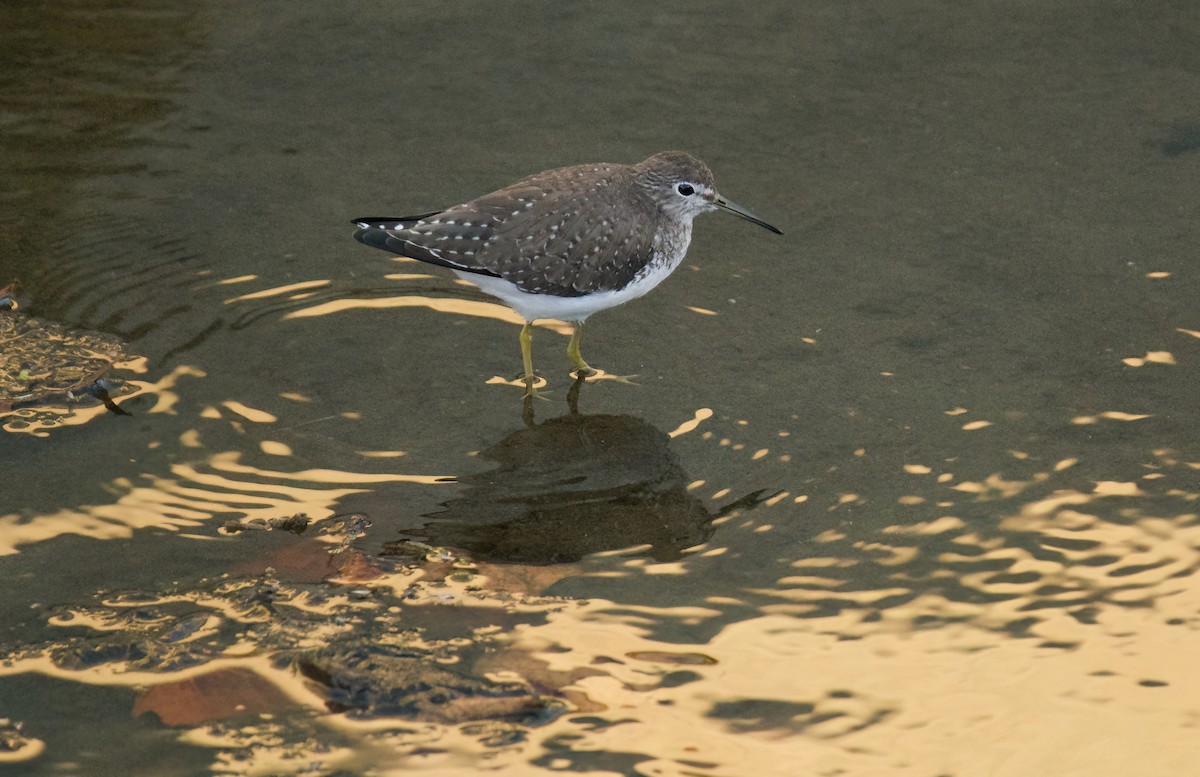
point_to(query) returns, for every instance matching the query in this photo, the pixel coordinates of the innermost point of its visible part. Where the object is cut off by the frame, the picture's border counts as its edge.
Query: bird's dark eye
(685, 189)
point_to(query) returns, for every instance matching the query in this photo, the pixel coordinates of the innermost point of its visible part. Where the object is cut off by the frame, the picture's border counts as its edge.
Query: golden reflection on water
(194, 492)
(1004, 623)
(42, 420)
(702, 415)
(1076, 613)
(928, 646)
(237, 279)
(795, 697)
(251, 414)
(459, 307)
(408, 276)
(39, 422)
(279, 291)
(898, 677)
(1151, 357)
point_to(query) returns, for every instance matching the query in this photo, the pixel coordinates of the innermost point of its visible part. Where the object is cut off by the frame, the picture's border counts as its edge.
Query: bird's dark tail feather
(392, 222)
(382, 233)
(372, 230)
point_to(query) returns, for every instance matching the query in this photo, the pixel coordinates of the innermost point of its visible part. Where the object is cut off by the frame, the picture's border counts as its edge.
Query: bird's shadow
(572, 486)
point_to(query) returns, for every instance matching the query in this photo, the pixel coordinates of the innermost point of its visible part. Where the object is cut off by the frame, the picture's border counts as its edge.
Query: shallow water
(911, 490)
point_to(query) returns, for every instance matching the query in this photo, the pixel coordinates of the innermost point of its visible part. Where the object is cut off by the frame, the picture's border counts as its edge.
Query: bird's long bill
(738, 210)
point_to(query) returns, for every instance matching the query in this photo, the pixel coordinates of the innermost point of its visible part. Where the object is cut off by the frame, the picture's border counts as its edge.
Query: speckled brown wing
(592, 231)
(565, 232)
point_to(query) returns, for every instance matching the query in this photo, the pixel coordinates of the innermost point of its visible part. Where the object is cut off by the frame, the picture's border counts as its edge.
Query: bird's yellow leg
(527, 356)
(573, 352)
(586, 370)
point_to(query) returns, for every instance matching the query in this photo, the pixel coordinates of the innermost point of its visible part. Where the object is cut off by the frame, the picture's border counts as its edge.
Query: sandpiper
(565, 243)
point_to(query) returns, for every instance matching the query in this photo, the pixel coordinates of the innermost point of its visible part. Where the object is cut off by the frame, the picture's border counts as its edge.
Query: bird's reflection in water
(574, 485)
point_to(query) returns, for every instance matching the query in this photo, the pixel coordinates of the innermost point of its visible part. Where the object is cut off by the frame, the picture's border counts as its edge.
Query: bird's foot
(531, 384)
(595, 374)
(531, 388)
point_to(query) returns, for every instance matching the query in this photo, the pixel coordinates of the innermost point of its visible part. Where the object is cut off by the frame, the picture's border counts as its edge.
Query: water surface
(911, 490)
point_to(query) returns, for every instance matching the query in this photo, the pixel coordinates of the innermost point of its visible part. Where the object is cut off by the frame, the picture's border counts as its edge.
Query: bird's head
(682, 186)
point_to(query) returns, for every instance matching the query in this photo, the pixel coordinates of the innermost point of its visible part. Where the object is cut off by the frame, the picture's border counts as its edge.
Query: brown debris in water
(219, 695)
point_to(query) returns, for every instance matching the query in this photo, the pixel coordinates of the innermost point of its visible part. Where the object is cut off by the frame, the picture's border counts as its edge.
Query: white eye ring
(685, 189)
